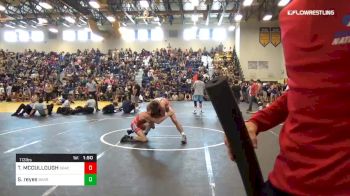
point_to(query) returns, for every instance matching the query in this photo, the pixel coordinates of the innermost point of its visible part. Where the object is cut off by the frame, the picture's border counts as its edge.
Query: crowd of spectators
(171, 73)
(53, 75)
(166, 73)
(57, 76)
(256, 91)
(226, 64)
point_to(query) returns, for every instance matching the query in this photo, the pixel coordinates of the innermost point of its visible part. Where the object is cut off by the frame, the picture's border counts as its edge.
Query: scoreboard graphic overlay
(56, 169)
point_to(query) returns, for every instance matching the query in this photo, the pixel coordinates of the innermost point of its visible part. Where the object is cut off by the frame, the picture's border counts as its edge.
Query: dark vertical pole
(232, 122)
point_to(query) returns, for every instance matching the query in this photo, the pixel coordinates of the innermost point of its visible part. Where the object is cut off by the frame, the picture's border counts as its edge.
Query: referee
(91, 87)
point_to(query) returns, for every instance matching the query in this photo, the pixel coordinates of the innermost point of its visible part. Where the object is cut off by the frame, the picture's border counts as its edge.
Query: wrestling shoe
(194, 111)
(129, 131)
(126, 138)
(183, 139)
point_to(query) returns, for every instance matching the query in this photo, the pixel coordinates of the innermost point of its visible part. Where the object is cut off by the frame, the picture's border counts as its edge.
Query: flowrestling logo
(311, 12)
(343, 37)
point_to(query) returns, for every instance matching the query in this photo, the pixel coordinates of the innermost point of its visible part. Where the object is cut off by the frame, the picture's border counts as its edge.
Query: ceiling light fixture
(111, 18)
(38, 7)
(282, 3)
(267, 17)
(53, 30)
(238, 17)
(82, 20)
(247, 2)
(42, 20)
(94, 4)
(144, 4)
(10, 26)
(2, 8)
(69, 19)
(231, 28)
(45, 5)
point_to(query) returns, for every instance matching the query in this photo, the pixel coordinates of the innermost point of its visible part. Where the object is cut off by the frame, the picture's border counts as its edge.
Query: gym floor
(161, 167)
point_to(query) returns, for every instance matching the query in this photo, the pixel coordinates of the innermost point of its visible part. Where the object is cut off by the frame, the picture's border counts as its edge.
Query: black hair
(41, 100)
(138, 89)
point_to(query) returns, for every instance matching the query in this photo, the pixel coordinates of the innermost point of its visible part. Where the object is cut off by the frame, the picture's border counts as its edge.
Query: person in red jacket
(253, 94)
(314, 156)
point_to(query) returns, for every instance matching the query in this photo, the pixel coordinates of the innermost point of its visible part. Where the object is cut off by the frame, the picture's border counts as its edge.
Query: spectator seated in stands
(2, 92)
(174, 97)
(54, 74)
(170, 72)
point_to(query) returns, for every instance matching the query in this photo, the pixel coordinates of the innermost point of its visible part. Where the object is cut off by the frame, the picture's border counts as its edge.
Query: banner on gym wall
(275, 36)
(263, 65)
(264, 36)
(252, 64)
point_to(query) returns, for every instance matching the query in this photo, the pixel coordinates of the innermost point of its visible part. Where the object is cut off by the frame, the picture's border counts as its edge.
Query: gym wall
(252, 50)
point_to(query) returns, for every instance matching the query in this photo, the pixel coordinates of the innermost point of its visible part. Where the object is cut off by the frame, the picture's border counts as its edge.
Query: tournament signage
(275, 36)
(264, 36)
(56, 169)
